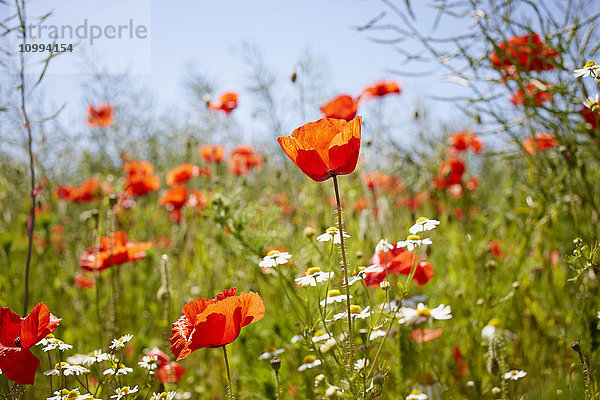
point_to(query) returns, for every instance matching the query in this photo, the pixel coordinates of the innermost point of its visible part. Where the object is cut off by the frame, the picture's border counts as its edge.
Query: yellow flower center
(332, 229)
(72, 395)
(61, 365)
(49, 336)
(354, 309)
(425, 312)
(270, 349)
(415, 391)
(309, 359)
(333, 293)
(589, 64)
(273, 252)
(64, 392)
(358, 270)
(163, 395)
(313, 270)
(421, 219)
(494, 322)
(319, 333)
(413, 237)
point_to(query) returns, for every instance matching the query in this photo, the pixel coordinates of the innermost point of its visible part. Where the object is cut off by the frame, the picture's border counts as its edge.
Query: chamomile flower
(490, 330)
(592, 103)
(416, 395)
(422, 313)
(332, 233)
(422, 225)
(355, 312)
(296, 338)
(328, 345)
(96, 356)
(54, 343)
(413, 241)
(149, 362)
(515, 375)
(77, 359)
(384, 246)
(119, 369)
(361, 363)
(312, 276)
(377, 333)
(274, 258)
(163, 396)
(360, 273)
(67, 369)
(308, 363)
(320, 336)
(66, 394)
(590, 68)
(123, 392)
(270, 353)
(118, 344)
(334, 296)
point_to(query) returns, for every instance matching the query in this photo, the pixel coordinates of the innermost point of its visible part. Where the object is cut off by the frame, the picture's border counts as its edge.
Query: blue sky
(206, 34)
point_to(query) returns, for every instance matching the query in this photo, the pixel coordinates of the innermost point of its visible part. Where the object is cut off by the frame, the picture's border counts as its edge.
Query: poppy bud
(275, 364)
(309, 232)
(492, 365)
(491, 265)
(576, 347)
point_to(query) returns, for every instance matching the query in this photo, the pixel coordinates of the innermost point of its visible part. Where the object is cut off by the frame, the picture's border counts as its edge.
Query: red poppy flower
(461, 366)
(197, 199)
(340, 107)
(182, 173)
(141, 179)
(209, 323)
(528, 52)
(100, 116)
(211, 153)
(449, 173)
(91, 189)
(174, 198)
(380, 89)
(170, 372)
(542, 141)
(425, 335)
(534, 92)
(243, 159)
(397, 260)
(494, 247)
(227, 103)
(466, 139)
(17, 335)
(113, 250)
(377, 180)
(591, 117)
(324, 148)
(83, 281)
(161, 357)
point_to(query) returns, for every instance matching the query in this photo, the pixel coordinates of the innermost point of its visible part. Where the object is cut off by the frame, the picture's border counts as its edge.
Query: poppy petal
(10, 327)
(37, 325)
(18, 364)
(253, 308)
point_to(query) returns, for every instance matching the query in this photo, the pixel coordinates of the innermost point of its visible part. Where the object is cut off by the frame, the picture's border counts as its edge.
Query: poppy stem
(229, 386)
(345, 263)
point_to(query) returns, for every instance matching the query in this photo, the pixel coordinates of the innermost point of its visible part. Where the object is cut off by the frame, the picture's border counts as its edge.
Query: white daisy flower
(183, 396)
(423, 224)
(308, 363)
(361, 363)
(66, 394)
(163, 396)
(515, 375)
(592, 103)
(118, 344)
(413, 241)
(332, 391)
(312, 276)
(270, 353)
(96, 356)
(67, 369)
(77, 359)
(422, 313)
(490, 330)
(118, 370)
(355, 312)
(328, 345)
(55, 343)
(123, 392)
(149, 362)
(377, 334)
(320, 336)
(416, 395)
(383, 245)
(274, 258)
(332, 233)
(334, 296)
(296, 338)
(360, 273)
(590, 68)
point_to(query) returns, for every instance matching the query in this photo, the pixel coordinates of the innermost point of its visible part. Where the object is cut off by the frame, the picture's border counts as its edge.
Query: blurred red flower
(591, 117)
(534, 92)
(83, 281)
(227, 103)
(380, 89)
(425, 335)
(449, 173)
(197, 199)
(466, 139)
(100, 116)
(340, 107)
(540, 142)
(113, 250)
(142, 179)
(211, 153)
(324, 148)
(171, 372)
(91, 189)
(209, 323)
(182, 173)
(527, 52)
(174, 198)
(243, 159)
(17, 335)
(494, 247)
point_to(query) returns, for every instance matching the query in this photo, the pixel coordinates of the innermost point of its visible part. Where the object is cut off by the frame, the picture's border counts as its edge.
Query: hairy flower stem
(277, 385)
(229, 385)
(345, 263)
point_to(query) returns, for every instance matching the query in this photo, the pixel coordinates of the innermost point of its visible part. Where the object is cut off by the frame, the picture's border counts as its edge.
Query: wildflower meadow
(330, 243)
